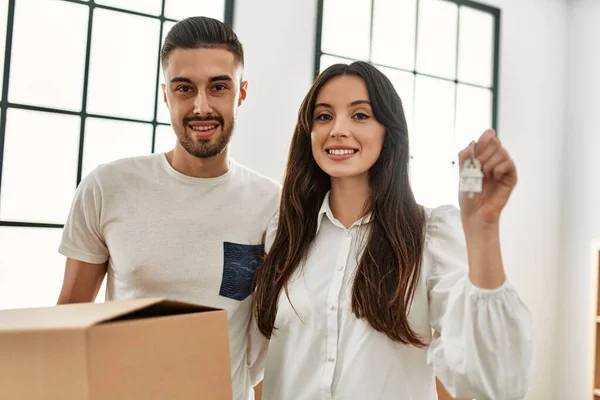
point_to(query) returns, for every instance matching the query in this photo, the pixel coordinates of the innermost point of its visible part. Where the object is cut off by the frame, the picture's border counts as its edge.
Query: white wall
(531, 125)
(279, 40)
(581, 212)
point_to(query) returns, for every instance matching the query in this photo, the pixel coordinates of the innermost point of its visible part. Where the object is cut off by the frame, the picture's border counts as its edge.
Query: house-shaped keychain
(471, 177)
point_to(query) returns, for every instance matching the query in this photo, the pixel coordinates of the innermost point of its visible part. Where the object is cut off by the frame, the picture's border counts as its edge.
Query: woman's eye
(324, 117)
(361, 116)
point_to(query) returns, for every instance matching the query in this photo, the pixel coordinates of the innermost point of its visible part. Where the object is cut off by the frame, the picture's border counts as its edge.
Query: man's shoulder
(257, 181)
(129, 165)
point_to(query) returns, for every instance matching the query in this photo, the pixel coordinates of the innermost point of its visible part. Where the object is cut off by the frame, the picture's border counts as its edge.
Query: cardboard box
(148, 349)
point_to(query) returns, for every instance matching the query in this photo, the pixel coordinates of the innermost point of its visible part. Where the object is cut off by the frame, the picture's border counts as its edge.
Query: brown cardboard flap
(83, 315)
(162, 308)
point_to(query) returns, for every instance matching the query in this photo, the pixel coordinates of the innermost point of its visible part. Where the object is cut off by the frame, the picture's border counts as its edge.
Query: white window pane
(394, 33)
(123, 72)
(346, 29)
(31, 269)
(40, 166)
(162, 112)
(151, 7)
(165, 139)
(476, 47)
(473, 114)
(434, 118)
(327, 61)
(60, 49)
(434, 181)
(436, 43)
(3, 19)
(180, 9)
(107, 140)
(404, 84)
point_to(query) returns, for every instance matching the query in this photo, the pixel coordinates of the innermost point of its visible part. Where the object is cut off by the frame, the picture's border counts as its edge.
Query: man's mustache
(210, 118)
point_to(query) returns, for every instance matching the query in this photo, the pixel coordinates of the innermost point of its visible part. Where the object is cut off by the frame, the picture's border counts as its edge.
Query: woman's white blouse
(479, 342)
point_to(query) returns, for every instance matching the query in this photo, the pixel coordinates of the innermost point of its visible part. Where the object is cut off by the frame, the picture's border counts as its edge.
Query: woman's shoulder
(442, 221)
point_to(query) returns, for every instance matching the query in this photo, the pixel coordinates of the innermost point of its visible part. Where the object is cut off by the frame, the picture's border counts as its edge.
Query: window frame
(496, 14)
(83, 114)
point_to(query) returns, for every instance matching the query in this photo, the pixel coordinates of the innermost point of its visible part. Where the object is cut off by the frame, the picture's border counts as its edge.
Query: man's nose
(201, 105)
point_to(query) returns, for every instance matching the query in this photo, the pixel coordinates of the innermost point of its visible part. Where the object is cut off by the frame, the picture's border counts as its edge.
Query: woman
(364, 294)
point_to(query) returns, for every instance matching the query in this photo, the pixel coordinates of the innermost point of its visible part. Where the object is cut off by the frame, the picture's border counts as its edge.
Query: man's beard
(206, 148)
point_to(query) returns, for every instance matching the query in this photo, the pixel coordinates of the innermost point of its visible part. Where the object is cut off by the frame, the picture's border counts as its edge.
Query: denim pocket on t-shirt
(240, 262)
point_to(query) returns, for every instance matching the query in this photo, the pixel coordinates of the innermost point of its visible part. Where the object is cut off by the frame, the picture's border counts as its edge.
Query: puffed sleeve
(482, 343)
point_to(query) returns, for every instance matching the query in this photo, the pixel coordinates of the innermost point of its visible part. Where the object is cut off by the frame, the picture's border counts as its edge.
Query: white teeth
(340, 152)
(203, 128)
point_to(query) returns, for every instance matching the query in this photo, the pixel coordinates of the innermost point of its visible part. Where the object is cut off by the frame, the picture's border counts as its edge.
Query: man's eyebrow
(178, 79)
(218, 78)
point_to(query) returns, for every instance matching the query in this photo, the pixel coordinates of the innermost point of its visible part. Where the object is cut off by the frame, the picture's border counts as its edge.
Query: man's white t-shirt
(166, 234)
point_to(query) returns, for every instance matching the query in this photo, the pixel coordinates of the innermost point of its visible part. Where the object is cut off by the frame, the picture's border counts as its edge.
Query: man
(188, 224)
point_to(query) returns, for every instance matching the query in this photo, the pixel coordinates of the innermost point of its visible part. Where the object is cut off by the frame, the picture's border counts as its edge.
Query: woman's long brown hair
(389, 268)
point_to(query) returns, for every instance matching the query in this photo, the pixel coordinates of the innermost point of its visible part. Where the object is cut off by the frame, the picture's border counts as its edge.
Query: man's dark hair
(201, 33)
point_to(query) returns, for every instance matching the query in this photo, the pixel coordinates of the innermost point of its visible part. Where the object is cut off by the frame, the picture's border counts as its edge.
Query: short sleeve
(271, 232)
(82, 238)
(258, 344)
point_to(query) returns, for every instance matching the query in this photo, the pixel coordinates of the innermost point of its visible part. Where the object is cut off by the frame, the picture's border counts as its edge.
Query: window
(441, 56)
(80, 86)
